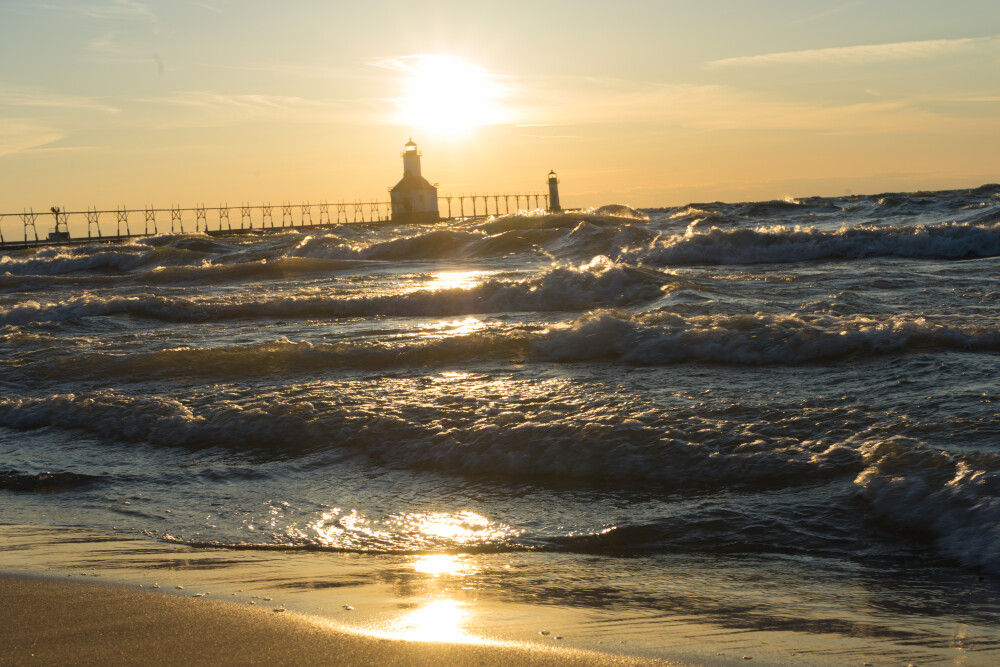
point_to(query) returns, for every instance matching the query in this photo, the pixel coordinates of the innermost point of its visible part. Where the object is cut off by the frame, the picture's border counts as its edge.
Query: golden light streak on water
(439, 564)
(453, 280)
(460, 527)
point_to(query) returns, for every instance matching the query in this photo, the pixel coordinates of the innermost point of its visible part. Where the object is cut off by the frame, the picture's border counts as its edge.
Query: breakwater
(33, 228)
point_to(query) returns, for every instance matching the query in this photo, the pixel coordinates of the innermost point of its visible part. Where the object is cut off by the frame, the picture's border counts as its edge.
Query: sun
(446, 95)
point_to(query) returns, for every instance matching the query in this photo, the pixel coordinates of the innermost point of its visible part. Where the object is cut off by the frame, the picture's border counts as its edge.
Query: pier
(21, 230)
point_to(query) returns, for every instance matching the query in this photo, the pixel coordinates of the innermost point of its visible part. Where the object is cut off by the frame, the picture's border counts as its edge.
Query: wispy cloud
(715, 108)
(211, 109)
(975, 99)
(826, 13)
(301, 70)
(20, 96)
(108, 49)
(22, 134)
(857, 55)
(212, 7)
(114, 9)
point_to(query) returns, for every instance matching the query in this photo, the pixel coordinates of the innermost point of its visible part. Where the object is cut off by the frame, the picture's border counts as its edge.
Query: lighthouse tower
(414, 199)
(554, 193)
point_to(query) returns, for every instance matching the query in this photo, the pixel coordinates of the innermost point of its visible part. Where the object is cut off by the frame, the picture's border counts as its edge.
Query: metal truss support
(200, 219)
(122, 215)
(28, 218)
(93, 220)
(175, 217)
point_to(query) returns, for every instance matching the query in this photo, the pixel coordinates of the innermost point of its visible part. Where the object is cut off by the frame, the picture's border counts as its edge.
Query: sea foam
(780, 244)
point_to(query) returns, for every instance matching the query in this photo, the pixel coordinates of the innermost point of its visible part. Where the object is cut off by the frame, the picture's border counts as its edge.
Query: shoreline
(51, 621)
(74, 594)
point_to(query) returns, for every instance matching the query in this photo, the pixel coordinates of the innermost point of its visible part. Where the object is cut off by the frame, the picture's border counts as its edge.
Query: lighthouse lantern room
(414, 198)
(554, 206)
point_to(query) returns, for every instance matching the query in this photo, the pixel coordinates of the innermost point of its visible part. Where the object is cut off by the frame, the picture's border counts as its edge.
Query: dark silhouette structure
(414, 198)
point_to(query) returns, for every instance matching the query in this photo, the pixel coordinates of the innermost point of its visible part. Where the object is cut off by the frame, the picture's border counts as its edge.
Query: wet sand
(49, 621)
(79, 596)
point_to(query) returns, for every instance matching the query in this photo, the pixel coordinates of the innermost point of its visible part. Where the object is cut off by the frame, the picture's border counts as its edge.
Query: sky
(136, 103)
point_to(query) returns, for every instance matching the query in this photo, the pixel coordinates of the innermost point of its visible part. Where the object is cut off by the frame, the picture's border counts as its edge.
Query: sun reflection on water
(351, 529)
(438, 564)
(453, 280)
(437, 621)
(455, 527)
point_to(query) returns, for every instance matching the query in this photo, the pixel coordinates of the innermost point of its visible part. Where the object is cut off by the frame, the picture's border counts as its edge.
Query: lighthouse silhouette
(414, 199)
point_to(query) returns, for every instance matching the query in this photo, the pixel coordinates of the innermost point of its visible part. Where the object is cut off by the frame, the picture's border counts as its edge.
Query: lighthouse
(414, 199)
(554, 193)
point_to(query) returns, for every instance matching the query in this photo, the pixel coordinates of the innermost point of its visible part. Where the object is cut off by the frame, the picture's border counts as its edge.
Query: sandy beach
(82, 597)
(78, 596)
(46, 621)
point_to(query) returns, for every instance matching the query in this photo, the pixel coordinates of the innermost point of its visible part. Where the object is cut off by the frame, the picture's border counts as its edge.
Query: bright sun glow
(438, 621)
(446, 95)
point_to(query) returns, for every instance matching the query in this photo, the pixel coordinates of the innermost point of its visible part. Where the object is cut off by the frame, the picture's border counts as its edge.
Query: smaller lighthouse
(554, 206)
(414, 199)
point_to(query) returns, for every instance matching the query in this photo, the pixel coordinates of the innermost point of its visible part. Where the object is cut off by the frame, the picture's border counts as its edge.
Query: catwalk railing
(225, 219)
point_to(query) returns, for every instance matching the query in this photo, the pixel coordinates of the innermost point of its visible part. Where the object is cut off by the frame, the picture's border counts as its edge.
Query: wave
(568, 235)
(264, 269)
(551, 221)
(665, 338)
(524, 441)
(203, 273)
(600, 336)
(598, 283)
(437, 244)
(61, 261)
(953, 499)
(48, 482)
(692, 211)
(153, 252)
(621, 211)
(780, 244)
(284, 357)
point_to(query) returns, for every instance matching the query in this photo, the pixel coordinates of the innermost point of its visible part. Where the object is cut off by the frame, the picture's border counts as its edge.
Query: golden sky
(133, 103)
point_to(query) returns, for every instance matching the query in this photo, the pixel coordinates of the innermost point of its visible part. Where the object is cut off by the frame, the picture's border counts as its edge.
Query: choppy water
(771, 387)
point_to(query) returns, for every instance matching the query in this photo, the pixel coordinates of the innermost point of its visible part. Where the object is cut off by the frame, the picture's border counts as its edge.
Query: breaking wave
(663, 338)
(602, 336)
(955, 499)
(596, 284)
(796, 244)
(522, 441)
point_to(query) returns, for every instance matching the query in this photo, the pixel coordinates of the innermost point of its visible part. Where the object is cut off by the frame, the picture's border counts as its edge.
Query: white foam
(753, 338)
(781, 243)
(56, 262)
(599, 282)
